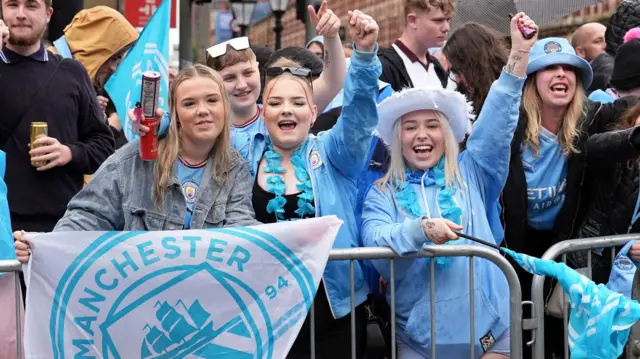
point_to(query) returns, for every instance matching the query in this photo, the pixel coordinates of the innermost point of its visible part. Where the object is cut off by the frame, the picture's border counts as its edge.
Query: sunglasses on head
(295, 71)
(238, 44)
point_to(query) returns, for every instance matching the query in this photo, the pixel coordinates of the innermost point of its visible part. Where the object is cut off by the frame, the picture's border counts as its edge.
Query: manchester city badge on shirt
(487, 341)
(189, 190)
(316, 160)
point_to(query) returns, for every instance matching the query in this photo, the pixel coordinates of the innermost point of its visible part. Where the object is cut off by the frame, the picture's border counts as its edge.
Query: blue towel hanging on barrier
(600, 319)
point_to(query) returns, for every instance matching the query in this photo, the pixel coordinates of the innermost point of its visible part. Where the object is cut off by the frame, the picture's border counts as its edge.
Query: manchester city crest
(187, 295)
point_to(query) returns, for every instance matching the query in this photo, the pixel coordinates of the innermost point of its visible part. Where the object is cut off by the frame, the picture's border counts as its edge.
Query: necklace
(192, 165)
(276, 185)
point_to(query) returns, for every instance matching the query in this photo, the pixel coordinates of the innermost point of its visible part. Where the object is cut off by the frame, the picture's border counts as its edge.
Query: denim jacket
(119, 198)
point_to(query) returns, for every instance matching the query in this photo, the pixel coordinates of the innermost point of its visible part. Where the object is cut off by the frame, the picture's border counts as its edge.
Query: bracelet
(330, 37)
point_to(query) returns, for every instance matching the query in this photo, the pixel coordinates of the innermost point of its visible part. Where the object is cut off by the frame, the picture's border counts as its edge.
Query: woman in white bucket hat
(429, 192)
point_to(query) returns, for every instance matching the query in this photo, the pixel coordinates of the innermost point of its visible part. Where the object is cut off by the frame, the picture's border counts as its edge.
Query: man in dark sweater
(38, 86)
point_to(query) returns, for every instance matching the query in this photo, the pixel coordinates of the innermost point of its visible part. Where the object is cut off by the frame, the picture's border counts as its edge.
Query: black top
(261, 198)
(69, 106)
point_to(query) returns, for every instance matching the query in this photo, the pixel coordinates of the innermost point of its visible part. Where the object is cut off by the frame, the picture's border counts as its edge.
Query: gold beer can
(38, 129)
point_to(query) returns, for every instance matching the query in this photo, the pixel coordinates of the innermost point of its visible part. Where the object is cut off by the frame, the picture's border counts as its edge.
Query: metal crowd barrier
(358, 254)
(537, 287)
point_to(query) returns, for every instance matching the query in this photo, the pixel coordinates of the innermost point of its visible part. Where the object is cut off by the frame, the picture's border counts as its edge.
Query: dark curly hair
(477, 54)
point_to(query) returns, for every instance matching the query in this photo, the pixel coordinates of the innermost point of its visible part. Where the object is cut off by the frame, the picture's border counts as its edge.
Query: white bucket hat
(452, 104)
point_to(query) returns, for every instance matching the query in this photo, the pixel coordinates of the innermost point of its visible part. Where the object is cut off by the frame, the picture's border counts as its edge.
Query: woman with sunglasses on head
(298, 175)
(198, 180)
(429, 192)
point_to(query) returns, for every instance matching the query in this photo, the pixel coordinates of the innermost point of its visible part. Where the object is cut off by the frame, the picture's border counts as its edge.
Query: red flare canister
(149, 101)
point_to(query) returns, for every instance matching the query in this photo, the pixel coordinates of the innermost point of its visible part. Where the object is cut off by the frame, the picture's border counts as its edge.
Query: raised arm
(490, 140)
(326, 87)
(347, 143)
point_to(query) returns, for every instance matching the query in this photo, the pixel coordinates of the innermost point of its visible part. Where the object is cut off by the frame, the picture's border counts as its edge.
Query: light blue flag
(600, 319)
(150, 52)
(6, 237)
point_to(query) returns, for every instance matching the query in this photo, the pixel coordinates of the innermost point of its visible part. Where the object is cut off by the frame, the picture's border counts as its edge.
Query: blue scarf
(409, 202)
(276, 185)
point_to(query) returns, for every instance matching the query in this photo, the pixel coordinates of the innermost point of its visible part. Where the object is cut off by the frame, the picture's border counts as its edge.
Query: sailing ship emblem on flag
(224, 293)
(181, 330)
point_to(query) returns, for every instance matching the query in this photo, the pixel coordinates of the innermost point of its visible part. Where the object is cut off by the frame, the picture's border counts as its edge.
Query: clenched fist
(363, 29)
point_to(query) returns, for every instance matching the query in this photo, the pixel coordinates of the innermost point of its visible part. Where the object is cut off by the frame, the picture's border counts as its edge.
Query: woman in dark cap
(300, 55)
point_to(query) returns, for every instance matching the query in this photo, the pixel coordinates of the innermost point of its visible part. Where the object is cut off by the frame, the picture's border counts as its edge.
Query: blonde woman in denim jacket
(198, 180)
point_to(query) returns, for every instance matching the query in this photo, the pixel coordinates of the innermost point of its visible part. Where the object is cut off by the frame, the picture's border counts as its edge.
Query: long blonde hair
(396, 175)
(569, 125)
(169, 147)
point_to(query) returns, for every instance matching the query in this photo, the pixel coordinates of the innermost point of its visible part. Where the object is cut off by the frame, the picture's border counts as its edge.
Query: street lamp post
(243, 9)
(278, 7)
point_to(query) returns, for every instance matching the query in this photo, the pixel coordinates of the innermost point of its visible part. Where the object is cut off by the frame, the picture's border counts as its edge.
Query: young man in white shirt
(407, 63)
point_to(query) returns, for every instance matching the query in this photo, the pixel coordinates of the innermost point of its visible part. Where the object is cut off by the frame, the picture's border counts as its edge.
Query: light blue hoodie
(319, 39)
(335, 159)
(484, 167)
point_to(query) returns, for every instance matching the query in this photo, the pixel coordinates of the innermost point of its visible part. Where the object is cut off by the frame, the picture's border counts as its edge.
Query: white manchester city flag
(223, 293)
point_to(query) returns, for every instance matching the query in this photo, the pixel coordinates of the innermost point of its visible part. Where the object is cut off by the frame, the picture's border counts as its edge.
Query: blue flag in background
(600, 319)
(150, 52)
(6, 237)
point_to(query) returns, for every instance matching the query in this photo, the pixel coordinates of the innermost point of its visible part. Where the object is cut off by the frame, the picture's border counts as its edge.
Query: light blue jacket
(484, 167)
(335, 159)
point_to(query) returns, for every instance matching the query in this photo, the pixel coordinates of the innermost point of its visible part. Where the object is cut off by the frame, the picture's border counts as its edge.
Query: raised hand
(363, 29)
(327, 23)
(518, 41)
(520, 46)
